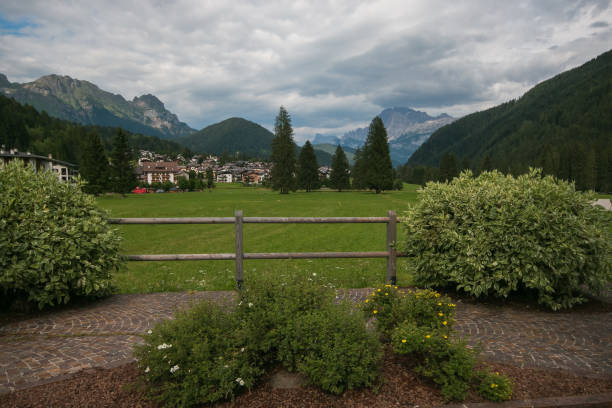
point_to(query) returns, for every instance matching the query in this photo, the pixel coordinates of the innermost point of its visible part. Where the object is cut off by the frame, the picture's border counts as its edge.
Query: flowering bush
(494, 387)
(200, 357)
(208, 354)
(392, 306)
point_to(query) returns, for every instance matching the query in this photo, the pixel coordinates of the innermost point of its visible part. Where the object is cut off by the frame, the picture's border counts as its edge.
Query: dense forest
(24, 128)
(563, 125)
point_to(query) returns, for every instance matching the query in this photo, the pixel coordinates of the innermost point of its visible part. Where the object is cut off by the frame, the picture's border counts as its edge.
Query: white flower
(150, 331)
(250, 304)
(314, 274)
(240, 381)
(225, 366)
(173, 369)
(147, 370)
(242, 350)
(239, 304)
(164, 346)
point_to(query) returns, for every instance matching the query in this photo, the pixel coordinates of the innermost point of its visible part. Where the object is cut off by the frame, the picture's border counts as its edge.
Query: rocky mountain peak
(149, 101)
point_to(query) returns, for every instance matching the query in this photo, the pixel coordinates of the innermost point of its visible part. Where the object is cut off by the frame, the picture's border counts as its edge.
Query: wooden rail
(238, 256)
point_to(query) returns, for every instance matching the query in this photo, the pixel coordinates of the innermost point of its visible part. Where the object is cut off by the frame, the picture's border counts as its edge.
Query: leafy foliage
(499, 235)
(283, 154)
(494, 387)
(54, 243)
(562, 125)
(208, 354)
(308, 169)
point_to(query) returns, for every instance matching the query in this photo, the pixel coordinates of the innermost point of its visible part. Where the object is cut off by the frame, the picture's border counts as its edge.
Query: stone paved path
(50, 346)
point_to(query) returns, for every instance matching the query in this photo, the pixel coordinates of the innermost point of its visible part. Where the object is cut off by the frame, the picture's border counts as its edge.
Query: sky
(333, 65)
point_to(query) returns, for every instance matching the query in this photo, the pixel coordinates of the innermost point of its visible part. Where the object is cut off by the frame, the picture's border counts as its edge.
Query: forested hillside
(24, 128)
(563, 125)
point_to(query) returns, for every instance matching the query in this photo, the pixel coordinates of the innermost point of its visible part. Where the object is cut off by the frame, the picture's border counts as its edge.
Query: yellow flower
(492, 385)
(387, 286)
(367, 300)
(444, 322)
(395, 287)
(403, 340)
(428, 336)
(496, 373)
(378, 290)
(386, 294)
(376, 311)
(437, 295)
(445, 336)
(440, 314)
(439, 304)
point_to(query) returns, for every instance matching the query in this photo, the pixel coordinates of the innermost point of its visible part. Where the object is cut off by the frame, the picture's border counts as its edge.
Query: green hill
(331, 150)
(563, 124)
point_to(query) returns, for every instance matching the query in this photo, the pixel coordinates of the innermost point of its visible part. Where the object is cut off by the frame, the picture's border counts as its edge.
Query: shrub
(332, 348)
(447, 361)
(55, 243)
(425, 308)
(496, 235)
(201, 357)
(494, 387)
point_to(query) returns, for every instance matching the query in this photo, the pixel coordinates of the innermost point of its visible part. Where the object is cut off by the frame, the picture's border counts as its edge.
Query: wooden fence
(239, 220)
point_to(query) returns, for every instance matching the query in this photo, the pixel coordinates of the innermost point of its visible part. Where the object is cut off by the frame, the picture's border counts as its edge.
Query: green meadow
(223, 201)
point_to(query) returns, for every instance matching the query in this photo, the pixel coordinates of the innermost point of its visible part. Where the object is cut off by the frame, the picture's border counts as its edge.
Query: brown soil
(117, 387)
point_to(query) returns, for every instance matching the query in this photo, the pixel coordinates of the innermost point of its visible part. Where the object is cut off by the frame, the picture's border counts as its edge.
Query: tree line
(372, 169)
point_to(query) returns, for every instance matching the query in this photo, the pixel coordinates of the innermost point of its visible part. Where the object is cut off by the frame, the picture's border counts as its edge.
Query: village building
(159, 172)
(66, 172)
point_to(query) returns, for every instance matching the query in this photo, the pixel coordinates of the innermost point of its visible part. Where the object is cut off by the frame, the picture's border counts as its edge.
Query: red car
(139, 190)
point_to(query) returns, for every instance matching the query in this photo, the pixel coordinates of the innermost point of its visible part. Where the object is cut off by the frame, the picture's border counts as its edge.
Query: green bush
(498, 235)
(55, 243)
(447, 361)
(494, 387)
(207, 354)
(332, 348)
(200, 357)
(425, 308)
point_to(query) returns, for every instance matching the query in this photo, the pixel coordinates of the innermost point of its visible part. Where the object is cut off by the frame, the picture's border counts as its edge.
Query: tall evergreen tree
(448, 167)
(340, 177)
(360, 181)
(210, 181)
(308, 169)
(123, 178)
(94, 165)
(283, 154)
(379, 169)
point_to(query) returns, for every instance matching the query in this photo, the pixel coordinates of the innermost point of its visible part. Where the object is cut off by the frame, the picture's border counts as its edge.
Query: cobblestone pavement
(52, 345)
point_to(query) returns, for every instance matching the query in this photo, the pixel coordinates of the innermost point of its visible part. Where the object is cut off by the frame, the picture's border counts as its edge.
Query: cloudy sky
(333, 64)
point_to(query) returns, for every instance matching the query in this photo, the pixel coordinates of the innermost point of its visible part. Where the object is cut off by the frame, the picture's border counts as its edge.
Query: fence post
(239, 249)
(391, 238)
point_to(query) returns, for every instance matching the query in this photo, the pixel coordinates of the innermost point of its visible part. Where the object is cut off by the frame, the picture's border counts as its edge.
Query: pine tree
(379, 170)
(308, 169)
(340, 175)
(283, 154)
(359, 170)
(123, 178)
(210, 182)
(448, 167)
(94, 165)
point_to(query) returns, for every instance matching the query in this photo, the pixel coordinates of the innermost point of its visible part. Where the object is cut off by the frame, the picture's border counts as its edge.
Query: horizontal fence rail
(238, 220)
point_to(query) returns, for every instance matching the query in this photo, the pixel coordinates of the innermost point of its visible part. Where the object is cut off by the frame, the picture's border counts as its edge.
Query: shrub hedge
(55, 243)
(499, 235)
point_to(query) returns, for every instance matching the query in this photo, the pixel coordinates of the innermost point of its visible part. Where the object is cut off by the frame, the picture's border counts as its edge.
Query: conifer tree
(359, 170)
(210, 182)
(123, 178)
(308, 169)
(339, 177)
(283, 154)
(94, 165)
(379, 170)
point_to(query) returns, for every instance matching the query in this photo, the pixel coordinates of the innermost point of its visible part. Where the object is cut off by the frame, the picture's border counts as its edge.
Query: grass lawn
(142, 277)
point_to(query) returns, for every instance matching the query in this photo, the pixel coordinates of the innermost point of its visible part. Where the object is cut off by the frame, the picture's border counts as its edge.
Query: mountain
(406, 128)
(331, 150)
(24, 128)
(326, 139)
(83, 102)
(233, 135)
(563, 124)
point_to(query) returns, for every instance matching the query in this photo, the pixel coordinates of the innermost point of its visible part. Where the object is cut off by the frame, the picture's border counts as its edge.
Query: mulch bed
(118, 387)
